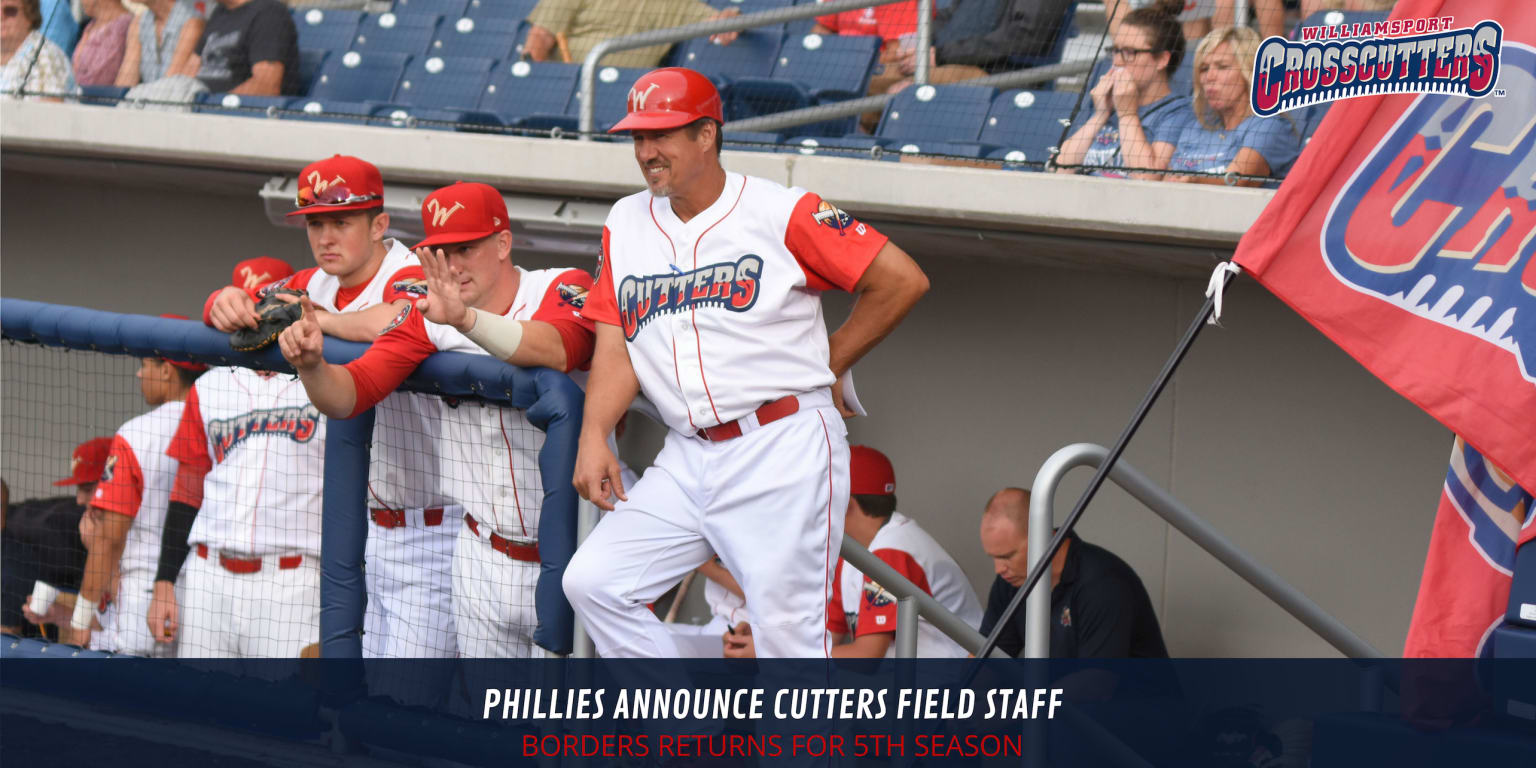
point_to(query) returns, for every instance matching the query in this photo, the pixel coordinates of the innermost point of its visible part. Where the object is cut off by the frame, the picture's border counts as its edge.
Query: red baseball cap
(459, 213)
(870, 472)
(194, 367)
(670, 97)
(254, 273)
(86, 463)
(338, 183)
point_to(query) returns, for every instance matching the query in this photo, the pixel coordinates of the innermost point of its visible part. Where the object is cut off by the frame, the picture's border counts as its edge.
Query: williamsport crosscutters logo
(1463, 62)
(875, 595)
(572, 294)
(297, 424)
(829, 215)
(413, 286)
(1440, 219)
(731, 286)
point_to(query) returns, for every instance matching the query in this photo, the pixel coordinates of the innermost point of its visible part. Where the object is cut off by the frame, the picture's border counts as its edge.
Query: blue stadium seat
(359, 77)
(751, 6)
(1335, 18)
(484, 38)
(240, 106)
(937, 113)
(1011, 159)
(1052, 56)
(796, 29)
(837, 146)
(524, 89)
(450, 9)
(329, 110)
(612, 95)
(1030, 122)
(107, 95)
(753, 54)
(443, 82)
(311, 61)
(969, 149)
(1522, 589)
(811, 69)
(326, 30)
(516, 10)
(391, 33)
(398, 116)
(753, 141)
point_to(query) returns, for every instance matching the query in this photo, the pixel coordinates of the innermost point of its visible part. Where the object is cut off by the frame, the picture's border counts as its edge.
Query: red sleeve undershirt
(189, 447)
(122, 486)
(400, 347)
(873, 618)
(833, 250)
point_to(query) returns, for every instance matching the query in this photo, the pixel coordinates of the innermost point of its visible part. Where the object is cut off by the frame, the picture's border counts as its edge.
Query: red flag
(1406, 233)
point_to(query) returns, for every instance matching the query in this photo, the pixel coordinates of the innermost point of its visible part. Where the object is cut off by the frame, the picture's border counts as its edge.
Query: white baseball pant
(770, 502)
(493, 608)
(408, 574)
(124, 629)
(272, 613)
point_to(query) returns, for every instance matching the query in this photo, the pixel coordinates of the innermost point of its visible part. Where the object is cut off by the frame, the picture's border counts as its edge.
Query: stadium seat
(969, 149)
(1522, 590)
(525, 89)
(448, 9)
(1335, 18)
(326, 30)
(937, 113)
(1030, 122)
(106, 95)
(484, 38)
(753, 141)
(516, 10)
(391, 33)
(612, 94)
(1012, 159)
(837, 146)
(360, 77)
(311, 61)
(811, 69)
(751, 6)
(751, 55)
(240, 106)
(329, 111)
(443, 82)
(398, 116)
(1052, 56)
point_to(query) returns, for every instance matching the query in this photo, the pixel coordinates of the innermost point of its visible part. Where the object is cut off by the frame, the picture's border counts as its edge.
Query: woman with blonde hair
(1228, 140)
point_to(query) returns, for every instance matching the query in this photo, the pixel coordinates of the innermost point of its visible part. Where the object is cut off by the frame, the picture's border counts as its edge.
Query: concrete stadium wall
(1269, 431)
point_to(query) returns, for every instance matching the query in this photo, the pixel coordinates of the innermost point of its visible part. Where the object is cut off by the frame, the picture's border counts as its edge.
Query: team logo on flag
(1362, 59)
(1440, 218)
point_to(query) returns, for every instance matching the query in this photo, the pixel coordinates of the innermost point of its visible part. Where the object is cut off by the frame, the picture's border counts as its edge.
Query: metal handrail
(893, 582)
(703, 29)
(1042, 501)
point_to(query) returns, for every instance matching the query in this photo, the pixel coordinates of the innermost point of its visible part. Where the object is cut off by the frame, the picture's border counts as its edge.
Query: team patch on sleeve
(829, 215)
(405, 314)
(572, 294)
(269, 288)
(414, 286)
(107, 469)
(875, 595)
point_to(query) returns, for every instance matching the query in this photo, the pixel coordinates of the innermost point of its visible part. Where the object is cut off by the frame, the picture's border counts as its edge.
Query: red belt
(787, 405)
(395, 518)
(528, 553)
(249, 564)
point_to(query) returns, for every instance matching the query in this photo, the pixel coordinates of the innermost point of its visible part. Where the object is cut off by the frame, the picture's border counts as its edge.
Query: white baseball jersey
(491, 453)
(263, 445)
(136, 482)
(723, 313)
(860, 606)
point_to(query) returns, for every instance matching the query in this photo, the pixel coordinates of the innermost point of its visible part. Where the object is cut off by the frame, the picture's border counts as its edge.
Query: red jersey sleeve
(877, 607)
(603, 302)
(561, 307)
(400, 347)
(837, 621)
(833, 248)
(409, 283)
(121, 489)
(189, 447)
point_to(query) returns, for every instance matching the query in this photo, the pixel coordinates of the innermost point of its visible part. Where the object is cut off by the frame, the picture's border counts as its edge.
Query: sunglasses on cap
(330, 196)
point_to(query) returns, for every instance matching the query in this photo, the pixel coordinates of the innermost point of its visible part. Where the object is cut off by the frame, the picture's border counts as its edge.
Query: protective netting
(1033, 85)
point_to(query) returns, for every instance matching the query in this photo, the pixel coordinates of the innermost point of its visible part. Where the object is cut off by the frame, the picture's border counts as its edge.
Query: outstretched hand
(442, 304)
(302, 343)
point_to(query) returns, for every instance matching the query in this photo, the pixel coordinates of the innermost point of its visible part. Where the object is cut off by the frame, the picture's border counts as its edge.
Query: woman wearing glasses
(1228, 141)
(1136, 119)
(32, 64)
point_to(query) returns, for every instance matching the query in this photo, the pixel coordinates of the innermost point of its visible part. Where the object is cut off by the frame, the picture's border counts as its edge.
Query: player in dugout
(477, 301)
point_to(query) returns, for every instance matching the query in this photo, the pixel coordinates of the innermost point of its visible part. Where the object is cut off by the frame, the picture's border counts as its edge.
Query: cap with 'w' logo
(669, 98)
(338, 183)
(462, 212)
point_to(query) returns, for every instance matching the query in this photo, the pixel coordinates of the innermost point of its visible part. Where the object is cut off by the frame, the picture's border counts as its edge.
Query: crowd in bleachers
(1144, 110)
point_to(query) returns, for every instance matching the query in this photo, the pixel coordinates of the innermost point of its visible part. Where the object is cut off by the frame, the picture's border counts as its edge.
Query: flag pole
(1219, 282)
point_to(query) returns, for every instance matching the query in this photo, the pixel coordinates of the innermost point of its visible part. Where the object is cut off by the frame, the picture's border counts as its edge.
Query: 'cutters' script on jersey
(298, 424)
(731, 286)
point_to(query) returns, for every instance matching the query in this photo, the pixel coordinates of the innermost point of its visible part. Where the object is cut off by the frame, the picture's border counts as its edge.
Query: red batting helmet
(670, 97)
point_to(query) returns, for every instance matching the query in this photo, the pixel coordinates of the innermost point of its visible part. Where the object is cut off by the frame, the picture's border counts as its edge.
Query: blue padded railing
(553, 403)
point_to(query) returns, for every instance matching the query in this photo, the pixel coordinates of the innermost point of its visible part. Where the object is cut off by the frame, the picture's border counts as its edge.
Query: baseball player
(360, 281)
(708, 301)
(476, 298)
(127, 511)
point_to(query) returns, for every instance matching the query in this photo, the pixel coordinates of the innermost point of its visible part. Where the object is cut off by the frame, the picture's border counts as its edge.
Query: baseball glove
(275, 313)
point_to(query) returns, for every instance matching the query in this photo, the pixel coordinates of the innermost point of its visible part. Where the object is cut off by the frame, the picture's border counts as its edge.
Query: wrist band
(498, 335)
(85, 610)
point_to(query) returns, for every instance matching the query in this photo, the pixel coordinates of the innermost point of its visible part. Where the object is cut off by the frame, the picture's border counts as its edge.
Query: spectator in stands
(1136, 119)
(29, 62)
(896, 26)
(99, 55)
(248, 47)
(861, 615)
(1194, 15)
(1309, 7)
(976, 37)
(567, 30)
(161, 42)
(1270, 15)
(48, 532)
(1099, 608)
(1227, 138)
